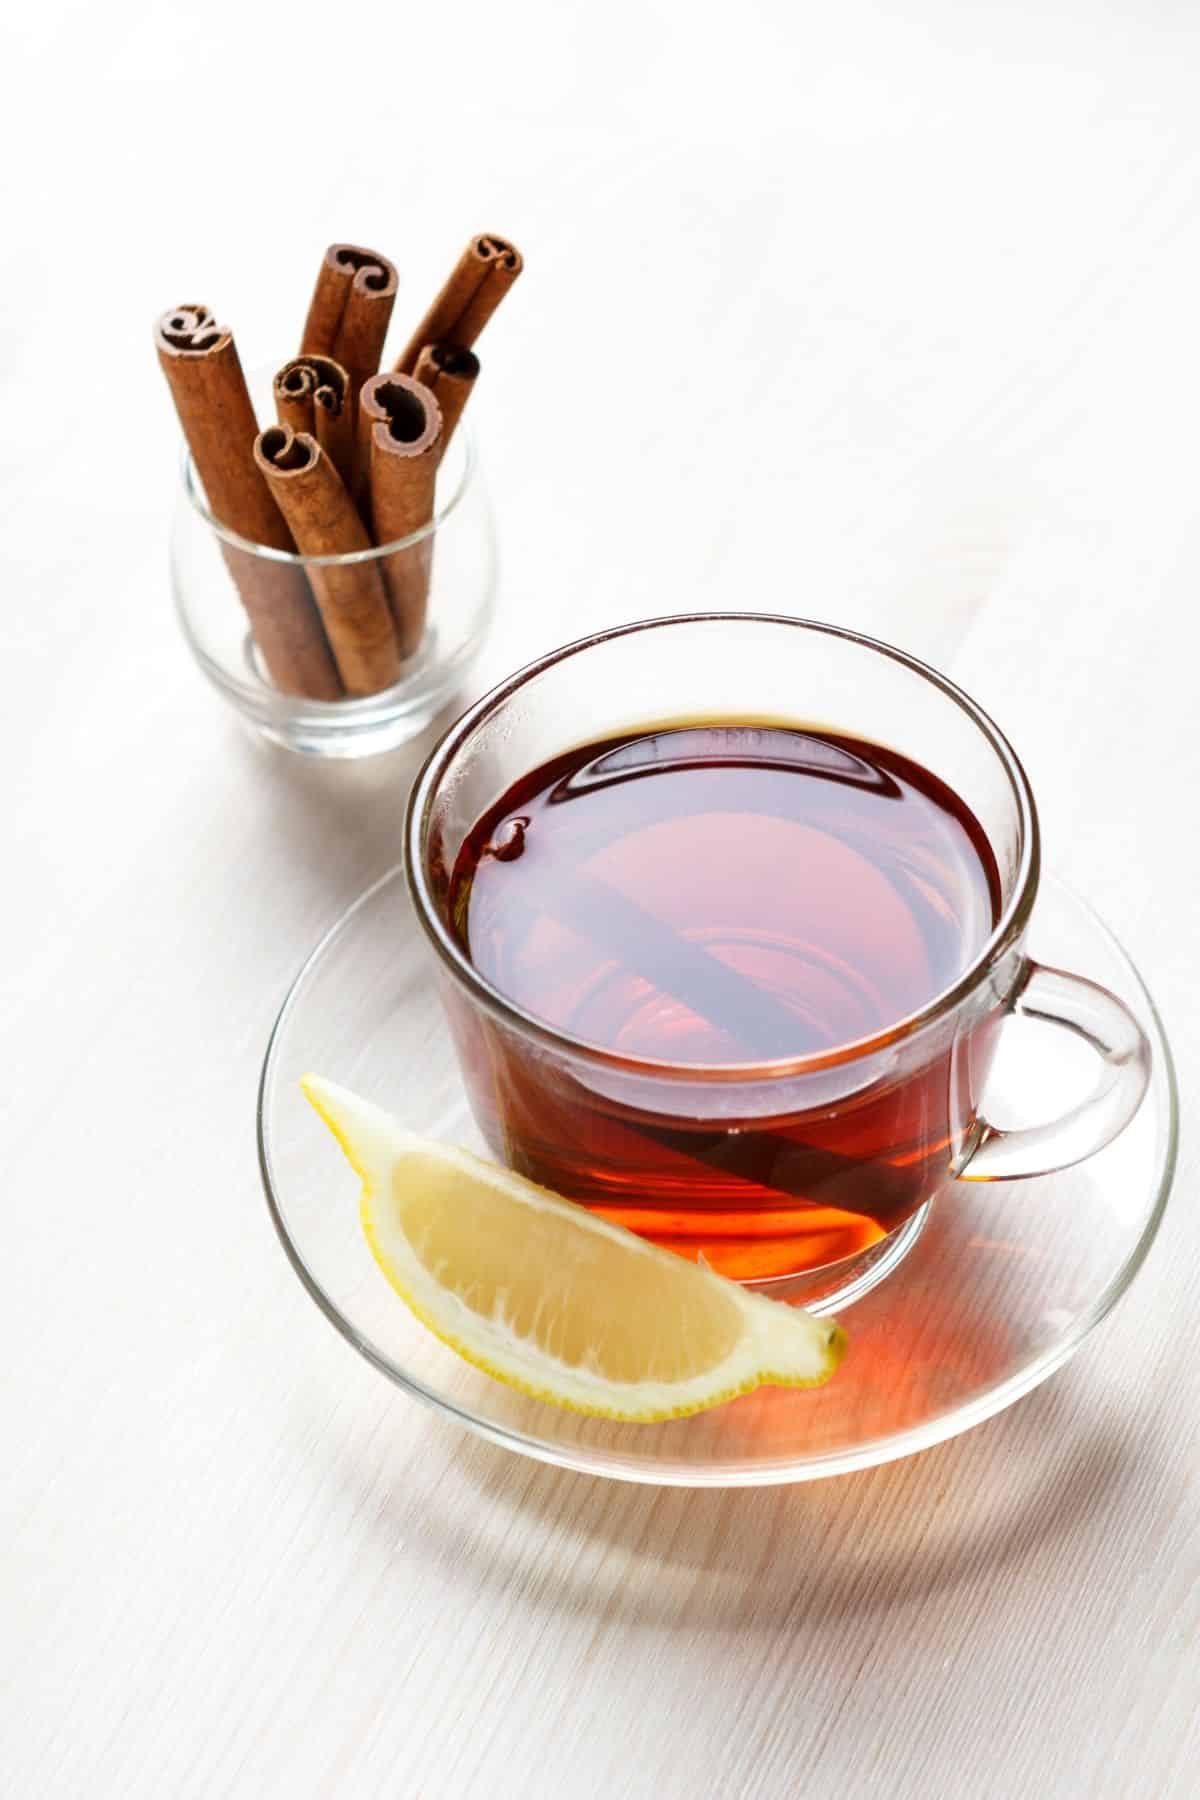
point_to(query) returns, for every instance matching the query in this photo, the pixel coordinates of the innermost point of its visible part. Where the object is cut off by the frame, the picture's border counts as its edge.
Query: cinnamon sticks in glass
(347, 474)
(400, 448)
(202, 367)
(321, 515)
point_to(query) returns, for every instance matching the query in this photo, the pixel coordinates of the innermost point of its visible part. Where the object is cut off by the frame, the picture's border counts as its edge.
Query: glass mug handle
(1054, 997)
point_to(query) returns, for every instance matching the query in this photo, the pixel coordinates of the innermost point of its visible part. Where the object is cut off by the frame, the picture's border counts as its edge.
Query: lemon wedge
(552, 1300)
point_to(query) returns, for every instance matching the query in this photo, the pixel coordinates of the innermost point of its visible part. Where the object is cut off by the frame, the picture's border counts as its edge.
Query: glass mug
(776, 1169)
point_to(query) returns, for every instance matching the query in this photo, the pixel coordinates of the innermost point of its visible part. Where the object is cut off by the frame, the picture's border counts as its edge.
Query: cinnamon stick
(354, 605)
(202, 367)
(474, 289)
(312, 394)
(450, 374)
(400, 447)
(350, 310)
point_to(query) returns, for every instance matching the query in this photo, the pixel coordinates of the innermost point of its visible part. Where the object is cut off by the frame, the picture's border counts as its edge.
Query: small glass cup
(850, 1143)
(462, 591)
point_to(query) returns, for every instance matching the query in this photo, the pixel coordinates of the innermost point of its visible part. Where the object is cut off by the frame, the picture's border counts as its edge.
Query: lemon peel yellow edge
(307, 1083)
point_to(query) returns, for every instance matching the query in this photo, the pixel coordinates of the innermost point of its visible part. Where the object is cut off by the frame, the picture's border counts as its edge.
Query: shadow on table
(1017, 1488)
(345, 817)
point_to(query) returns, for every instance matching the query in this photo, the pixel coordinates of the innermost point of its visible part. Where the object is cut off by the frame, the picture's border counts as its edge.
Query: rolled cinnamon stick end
(201, 363)
(350, 311)
(400, 444)
(312, 393)
(474, 289)
(203, 370)
(450, 374)
(353, 601)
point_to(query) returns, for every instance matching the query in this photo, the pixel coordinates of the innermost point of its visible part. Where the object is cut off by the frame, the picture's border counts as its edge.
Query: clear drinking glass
(458, 544)
(851, 1142)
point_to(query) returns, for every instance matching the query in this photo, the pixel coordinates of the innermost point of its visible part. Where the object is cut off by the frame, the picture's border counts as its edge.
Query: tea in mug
(721, 894)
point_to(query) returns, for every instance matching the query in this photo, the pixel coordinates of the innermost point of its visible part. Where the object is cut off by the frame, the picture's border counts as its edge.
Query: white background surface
(884, 316)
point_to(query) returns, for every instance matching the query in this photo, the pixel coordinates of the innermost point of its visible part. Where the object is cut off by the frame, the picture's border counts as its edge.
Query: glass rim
(193, 488)
(1014, 915)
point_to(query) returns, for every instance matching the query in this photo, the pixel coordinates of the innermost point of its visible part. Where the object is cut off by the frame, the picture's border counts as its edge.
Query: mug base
(837, 1286)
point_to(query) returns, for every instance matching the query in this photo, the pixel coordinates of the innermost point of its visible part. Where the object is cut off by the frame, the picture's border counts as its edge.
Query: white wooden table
(893, 323)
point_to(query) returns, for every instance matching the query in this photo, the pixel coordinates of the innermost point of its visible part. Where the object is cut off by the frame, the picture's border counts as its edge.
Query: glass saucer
(999, 1286)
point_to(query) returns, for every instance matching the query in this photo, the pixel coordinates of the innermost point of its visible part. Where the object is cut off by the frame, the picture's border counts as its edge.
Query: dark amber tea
(717, 895)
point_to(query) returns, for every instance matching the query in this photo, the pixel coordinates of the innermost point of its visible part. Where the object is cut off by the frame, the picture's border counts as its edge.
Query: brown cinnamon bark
(350, 310)
(400, 447)
(201, 364)
(476, 285)
(450, 374)
(312, 394)
(353, 602)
